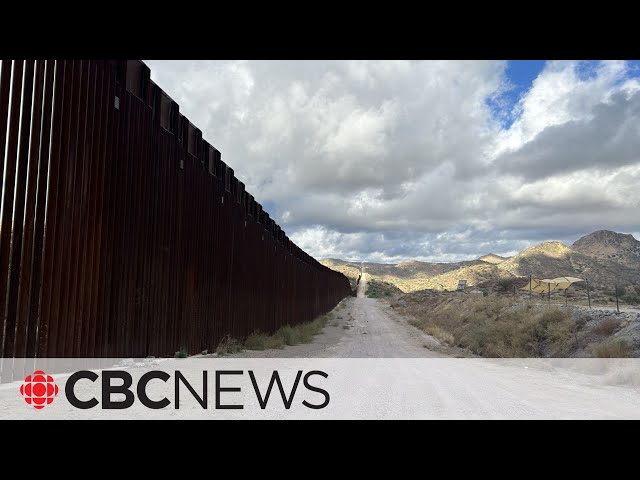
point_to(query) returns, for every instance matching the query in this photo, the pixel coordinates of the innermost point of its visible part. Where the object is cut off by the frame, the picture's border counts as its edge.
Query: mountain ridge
(604, 257)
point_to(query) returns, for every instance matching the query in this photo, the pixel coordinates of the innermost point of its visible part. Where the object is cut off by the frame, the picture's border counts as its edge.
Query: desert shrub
(493, 327)
(618, 348)
(506, 284)
(182, 353)
(581, 321)
(285, 335)
(262, 341)
(439, 333)
(302, 333)
(229, 345)
(607, 326)
(380, 289)
(631, 298)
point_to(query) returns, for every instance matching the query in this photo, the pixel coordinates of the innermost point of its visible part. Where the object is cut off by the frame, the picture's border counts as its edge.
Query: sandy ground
(362, 286)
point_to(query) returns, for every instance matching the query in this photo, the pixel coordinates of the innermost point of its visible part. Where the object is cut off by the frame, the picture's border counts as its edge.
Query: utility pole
(617, 304)
(549, 293)
(588, 296)
(529, 288)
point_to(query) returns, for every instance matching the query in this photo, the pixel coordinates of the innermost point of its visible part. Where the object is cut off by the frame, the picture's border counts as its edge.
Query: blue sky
(520, 76)
(522, 73)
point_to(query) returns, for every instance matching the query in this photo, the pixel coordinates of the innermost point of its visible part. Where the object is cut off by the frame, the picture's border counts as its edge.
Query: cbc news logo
(39, 389)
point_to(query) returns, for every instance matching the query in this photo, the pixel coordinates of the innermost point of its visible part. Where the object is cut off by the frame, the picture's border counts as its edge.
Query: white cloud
(397, 159)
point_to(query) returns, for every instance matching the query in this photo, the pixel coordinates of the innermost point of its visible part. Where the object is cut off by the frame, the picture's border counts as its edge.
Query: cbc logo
(39, 389)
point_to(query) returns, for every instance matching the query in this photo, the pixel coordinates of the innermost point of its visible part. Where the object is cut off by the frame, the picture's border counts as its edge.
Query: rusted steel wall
(123, 233)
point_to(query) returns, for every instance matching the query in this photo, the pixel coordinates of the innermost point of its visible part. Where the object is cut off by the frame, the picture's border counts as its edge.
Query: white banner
(322, 388)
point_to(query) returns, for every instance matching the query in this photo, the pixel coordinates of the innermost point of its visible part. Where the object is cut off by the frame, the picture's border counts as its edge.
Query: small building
(461, 285)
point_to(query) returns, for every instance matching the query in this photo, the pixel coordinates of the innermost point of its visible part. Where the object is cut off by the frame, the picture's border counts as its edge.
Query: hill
(604, 257)
(493, 258)
(605, 245)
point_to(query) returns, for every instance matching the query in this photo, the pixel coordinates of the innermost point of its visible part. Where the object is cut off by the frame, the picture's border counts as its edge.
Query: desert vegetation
(381, 289)
(492, 327)
(615, 348)
(286, 335)
(501, 326)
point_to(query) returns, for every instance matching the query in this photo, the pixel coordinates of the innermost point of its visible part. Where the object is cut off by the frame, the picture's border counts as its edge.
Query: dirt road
(361, 328)
(477, 388)
(362, 286)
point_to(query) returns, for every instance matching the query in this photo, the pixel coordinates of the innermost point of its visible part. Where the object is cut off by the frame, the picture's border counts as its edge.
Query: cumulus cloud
(608, 137)
(392, 160)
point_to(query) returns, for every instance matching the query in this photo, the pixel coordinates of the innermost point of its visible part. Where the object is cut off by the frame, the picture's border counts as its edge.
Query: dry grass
(618, 348)
(607, 326)
(439, 333)
(381, 289)
(492, 327)
(286, 335)
(631, 298)
(182, 353)
(229, 345)
(262, 341)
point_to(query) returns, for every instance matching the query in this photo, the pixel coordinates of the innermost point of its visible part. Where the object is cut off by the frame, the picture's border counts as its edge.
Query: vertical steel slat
(8, 190)
(88, 347)
(56, 325)
(154, 245)
(175, 216)
(82, 337)
(5, 90)
(69, 240)
(17, 221)
(75, 323)
(163, 243)
(150, 229)
(23, 295)
(47, 329)
(34, 330)
(132, 234)
(145, 249)
(105, 293)
(122, 258)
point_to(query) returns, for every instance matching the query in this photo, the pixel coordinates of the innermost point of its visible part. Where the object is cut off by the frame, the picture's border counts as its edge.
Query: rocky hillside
(605, 245)
(548, 259)
(493, 258)
(348, 269)
(474, 274)
(554, 259)
(604, 257)
(414, 275)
